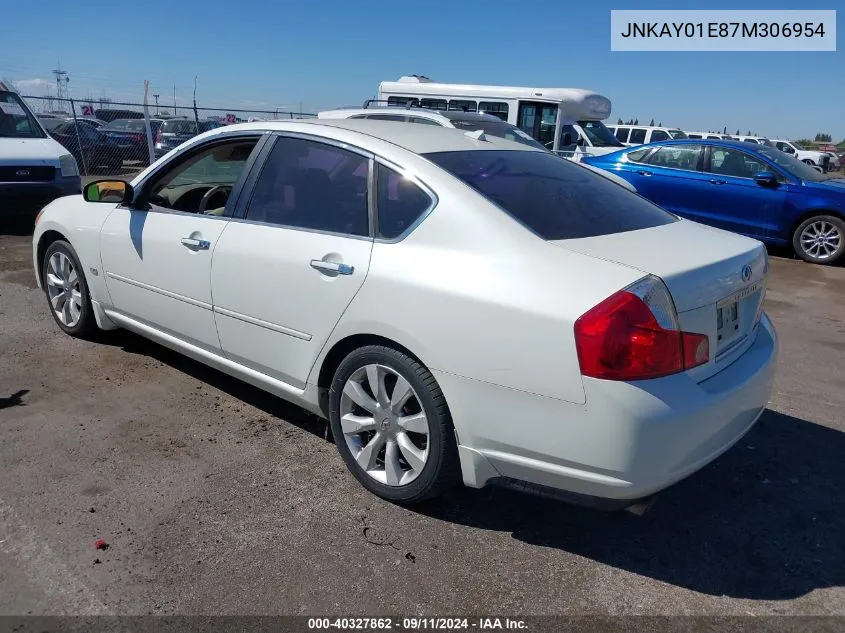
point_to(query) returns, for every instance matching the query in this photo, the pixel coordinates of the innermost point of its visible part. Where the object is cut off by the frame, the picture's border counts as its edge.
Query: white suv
(811, 157)
(641, 134)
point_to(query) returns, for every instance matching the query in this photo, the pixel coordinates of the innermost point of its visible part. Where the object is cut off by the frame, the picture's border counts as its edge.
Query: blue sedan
(755, 190)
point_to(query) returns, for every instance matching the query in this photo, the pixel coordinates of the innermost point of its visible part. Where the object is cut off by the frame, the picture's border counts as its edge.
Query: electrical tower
(62, 80)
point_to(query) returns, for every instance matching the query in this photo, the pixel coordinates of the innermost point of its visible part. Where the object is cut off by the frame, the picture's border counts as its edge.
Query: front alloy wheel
(67, 291)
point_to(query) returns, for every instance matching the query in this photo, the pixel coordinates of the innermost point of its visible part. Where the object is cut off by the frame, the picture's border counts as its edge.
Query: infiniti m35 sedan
(459, 307)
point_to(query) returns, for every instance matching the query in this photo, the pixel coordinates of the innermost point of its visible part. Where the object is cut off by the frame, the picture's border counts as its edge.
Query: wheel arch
(340, 349)
(47, 238)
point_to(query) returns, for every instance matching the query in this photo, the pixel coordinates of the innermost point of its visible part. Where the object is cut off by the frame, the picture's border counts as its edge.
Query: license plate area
(729, 312)
(727, 322)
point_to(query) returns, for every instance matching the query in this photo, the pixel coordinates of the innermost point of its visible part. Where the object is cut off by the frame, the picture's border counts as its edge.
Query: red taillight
(634, 335)
(137, 137)
(158, 136)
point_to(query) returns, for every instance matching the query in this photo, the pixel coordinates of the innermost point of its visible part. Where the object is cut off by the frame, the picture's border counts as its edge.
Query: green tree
(636, 121)
(821, 137)
(652, 123)
(619, 122)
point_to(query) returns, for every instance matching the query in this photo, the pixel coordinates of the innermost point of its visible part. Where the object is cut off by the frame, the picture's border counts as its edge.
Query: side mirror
(113, 191)
(766, 179)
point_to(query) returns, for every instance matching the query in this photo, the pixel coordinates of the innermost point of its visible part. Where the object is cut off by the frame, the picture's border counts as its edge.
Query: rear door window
(677, 157)
(659, 135)
(554, 198)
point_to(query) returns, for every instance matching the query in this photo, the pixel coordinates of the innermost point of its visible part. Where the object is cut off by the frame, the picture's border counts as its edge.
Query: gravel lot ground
(218, 499)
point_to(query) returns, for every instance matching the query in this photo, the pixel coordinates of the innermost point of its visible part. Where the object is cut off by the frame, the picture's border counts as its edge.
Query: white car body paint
(486, 305)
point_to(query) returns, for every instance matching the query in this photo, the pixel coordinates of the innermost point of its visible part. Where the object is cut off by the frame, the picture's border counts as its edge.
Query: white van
(630, 135)
(34, 168)
(548, 115)
(713, 136)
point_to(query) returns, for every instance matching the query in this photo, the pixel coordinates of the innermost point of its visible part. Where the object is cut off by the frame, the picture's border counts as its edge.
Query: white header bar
(723, 30)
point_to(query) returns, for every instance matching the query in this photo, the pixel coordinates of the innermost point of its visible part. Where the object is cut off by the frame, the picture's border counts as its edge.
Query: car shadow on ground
(765, 521)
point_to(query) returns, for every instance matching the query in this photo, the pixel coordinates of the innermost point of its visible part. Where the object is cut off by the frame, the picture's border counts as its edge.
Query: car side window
(676, 157)
(214, 168)
(732, 162)
(400, 202)
(638, 156)
(622, 134)
(310, 185)
(637, 136)
(387, 117)
(659, 135)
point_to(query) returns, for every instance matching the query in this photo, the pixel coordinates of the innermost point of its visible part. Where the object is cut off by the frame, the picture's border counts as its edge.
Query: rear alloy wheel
(391, 425)
(66, 290)
(820, 239)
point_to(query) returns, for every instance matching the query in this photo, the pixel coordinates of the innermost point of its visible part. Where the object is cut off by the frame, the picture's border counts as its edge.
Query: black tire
(441, 470)
(86, 326)
(838, 226)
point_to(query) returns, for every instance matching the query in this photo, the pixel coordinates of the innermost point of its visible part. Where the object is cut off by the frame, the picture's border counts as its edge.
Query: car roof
(699, 141)
(420, 139)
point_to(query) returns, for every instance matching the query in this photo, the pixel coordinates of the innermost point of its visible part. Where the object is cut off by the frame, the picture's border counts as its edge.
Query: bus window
(403, 101)
(434, 104)
(496, 108)
(463, 105)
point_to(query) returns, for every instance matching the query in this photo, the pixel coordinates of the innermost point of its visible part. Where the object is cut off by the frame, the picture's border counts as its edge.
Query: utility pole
(156, 98)
(174, 99)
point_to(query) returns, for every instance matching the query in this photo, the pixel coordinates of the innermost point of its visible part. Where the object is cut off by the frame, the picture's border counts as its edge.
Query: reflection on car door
(285, 271)
(671, 176)
(733, 200)
(156, 256)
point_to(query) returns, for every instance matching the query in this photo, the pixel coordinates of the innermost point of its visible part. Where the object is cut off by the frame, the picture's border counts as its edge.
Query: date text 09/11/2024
(417, 624)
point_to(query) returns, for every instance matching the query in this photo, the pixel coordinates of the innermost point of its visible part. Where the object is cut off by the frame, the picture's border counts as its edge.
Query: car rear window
(179, 127)
(551, 196)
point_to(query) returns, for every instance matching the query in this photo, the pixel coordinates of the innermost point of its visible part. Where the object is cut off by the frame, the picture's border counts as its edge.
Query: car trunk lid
(717, 279)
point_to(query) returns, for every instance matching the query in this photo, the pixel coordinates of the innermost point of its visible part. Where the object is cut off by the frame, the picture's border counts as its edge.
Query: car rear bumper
(628, 441)
(21, 198)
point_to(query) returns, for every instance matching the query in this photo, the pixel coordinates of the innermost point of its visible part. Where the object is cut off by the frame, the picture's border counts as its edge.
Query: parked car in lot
(34, 168)
(467, 121)
(640, 134)
(810, 157)
(750, 189)
(90, 148)
(457, 308)
(173, 132)
(131, 136)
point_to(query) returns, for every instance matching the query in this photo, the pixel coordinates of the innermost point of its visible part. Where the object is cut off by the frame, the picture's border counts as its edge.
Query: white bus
(553, 116)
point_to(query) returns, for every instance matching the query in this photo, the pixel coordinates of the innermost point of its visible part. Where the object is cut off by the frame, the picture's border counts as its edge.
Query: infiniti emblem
(22, 172)
(746, 272)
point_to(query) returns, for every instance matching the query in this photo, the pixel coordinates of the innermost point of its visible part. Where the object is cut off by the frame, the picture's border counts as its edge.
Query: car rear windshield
(180, 127)
(497, 128)
(553, 197)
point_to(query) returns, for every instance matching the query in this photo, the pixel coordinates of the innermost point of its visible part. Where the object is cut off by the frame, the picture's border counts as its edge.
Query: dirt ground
(216, 498)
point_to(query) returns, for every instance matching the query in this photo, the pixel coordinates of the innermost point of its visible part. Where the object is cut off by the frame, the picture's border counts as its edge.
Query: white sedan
(457, 307)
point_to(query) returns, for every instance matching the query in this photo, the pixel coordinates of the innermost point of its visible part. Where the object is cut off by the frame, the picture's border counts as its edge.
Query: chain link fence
(109, 138)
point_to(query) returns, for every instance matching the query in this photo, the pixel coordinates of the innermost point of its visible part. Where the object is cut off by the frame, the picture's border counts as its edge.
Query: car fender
(79, 223)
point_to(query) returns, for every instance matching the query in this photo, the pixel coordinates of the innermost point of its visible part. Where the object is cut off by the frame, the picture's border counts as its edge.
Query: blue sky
(254, 54)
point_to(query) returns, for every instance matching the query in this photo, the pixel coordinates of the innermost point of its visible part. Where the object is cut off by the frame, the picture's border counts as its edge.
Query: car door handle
(191, 242)
(332, 267)
(644, 173)
(717, 182)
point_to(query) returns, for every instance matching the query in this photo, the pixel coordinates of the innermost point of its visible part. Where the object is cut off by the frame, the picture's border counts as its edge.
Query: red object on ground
(101, 544)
